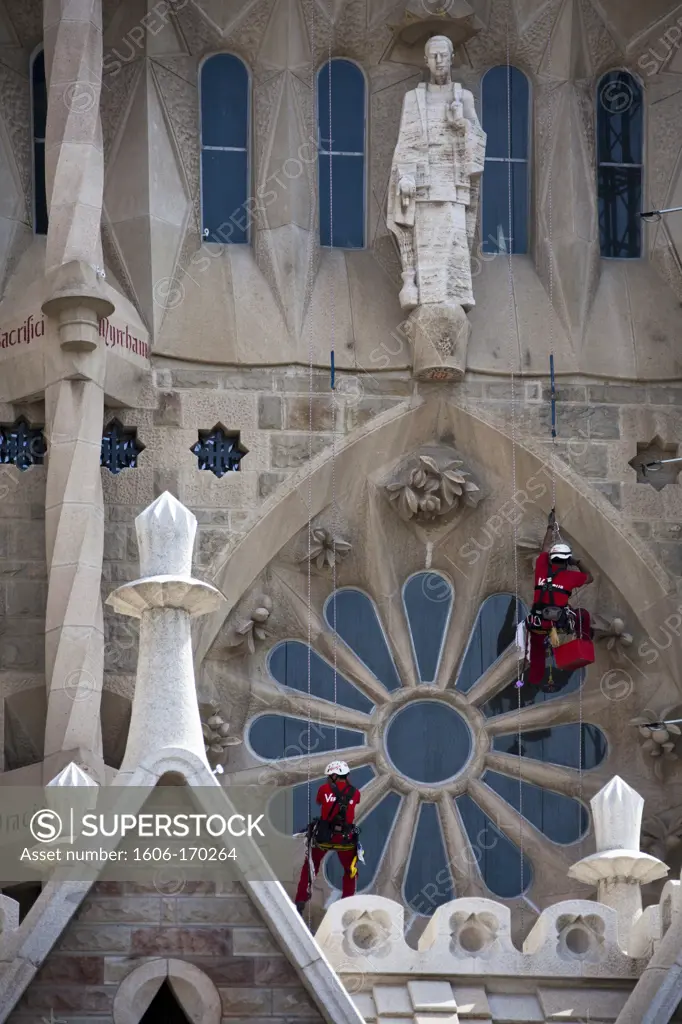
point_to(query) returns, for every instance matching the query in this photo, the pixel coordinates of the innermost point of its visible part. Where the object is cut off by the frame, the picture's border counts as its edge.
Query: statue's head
(438, 52)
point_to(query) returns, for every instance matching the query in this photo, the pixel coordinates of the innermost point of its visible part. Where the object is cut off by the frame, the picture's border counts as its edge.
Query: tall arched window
(505, 102)
(341, 154)
(39, 115)
(619, 156)
(224, 149)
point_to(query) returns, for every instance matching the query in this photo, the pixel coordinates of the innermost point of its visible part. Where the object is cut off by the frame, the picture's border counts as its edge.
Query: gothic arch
(194, 991)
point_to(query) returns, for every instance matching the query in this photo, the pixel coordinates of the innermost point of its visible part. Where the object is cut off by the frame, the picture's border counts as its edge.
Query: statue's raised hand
(407, 190)
(455, 116)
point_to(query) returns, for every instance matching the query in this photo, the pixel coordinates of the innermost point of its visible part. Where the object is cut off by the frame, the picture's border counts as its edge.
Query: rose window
(465, 780)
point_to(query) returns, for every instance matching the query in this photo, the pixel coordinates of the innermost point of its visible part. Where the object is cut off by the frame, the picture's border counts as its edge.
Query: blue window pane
(505, 91)
(428, 881)
(347, 133)
(504, 871)
(39, 96)
(495, 208)
(428, 601)
(292, 809)
(348, 209)
(354, 617)
(620, 202)
(428, 741)
(375, 831)
(509, 699)
(619, 119)
(224, 102)
(342, 222)
(560, 818)
(619, 150)
(562, 744)
(223, 190)
(277, 736)
(289, 666)
(493, 632)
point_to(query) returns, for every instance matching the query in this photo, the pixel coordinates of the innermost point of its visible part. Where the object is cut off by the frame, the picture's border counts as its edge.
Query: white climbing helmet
(560, 551)
(337, 768)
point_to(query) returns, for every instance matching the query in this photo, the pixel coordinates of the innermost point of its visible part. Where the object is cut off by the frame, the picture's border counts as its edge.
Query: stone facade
(122, 312)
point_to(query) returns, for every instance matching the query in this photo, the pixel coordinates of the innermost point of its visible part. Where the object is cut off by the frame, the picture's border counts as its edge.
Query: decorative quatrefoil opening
(219, 450)
(21, 445)
(656, 451)
(120, 447)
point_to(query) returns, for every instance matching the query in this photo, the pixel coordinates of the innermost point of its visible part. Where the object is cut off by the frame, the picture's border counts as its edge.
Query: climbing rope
(332, 319)
(513, 358)
(311, 336)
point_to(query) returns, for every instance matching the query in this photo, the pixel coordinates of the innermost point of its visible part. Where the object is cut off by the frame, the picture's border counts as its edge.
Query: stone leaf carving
(659, 740)
(325, 549)
(216, 735)
(613, 633)
(254, 628)
(662, 834)
(431, 490)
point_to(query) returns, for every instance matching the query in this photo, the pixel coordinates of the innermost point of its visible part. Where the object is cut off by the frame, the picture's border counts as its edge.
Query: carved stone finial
(165, 537)
(618, 868)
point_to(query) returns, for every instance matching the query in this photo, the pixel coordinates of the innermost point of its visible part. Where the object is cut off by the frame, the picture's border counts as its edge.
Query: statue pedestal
(440, 335)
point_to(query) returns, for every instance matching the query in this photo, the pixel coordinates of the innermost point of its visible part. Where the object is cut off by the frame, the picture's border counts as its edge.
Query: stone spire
(165, 713)
(618, 868)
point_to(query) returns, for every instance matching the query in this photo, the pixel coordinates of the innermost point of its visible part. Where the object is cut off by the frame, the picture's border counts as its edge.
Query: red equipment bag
(574, 654)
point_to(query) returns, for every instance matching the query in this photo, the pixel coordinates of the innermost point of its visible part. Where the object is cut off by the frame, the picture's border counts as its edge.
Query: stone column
(165, 713)
(618, 868)
(74, 397)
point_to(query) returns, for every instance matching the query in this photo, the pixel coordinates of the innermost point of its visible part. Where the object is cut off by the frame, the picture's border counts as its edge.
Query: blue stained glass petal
(499, 861)
(278, 736)
(289, 666)
(493, 632)
(560, 818)
(508, 699)
(428, 881)
(357, 624)
(292, 809)
(562, 745)
(375, 832)
(427, 598)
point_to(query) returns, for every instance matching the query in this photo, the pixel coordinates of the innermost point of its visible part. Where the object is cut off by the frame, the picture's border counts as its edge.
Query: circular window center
(428, 741)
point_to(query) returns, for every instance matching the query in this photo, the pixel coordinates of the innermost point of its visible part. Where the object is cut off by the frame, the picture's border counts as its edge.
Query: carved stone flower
(216, 736)
(368, 932)
(662, 834)
(659, 739)
(254, 629)
(613, 632)
(326, 549)
(431, 490)
(580, 937)
(473, 934)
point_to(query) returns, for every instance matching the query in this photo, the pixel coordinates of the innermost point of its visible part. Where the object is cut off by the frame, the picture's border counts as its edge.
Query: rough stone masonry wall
(120, 925)
(598, 429)
(23, 589)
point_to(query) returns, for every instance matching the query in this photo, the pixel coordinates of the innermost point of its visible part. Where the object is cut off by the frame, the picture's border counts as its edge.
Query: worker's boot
(300, 906)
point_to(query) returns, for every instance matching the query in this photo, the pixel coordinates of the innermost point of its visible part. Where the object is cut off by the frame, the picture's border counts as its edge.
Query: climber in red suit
(557, 575)
(334, 828)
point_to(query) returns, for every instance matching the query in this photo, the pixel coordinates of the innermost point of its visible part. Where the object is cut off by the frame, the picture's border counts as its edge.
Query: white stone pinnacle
(617, 814)
(72, 775)
(165, 537)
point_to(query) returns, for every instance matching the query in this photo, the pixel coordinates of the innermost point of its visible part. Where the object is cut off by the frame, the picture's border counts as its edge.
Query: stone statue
(432, 210)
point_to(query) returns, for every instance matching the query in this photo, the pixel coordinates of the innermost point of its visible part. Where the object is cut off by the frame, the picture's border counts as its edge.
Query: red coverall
(568, 580)
(326, 798)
